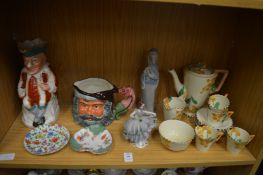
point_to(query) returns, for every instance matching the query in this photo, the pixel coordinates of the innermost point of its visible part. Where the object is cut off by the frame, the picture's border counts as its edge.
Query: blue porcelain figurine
(150, 80)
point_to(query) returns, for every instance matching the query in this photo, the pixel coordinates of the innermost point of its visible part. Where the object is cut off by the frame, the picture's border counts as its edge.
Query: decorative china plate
(46, 139)
(94, 138)
(202, 117)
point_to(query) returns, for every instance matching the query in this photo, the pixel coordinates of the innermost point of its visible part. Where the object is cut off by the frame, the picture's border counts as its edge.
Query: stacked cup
(218, 108)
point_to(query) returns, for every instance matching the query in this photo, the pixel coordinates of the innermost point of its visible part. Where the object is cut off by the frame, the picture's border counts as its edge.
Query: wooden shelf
(155, 155)
(252, 4)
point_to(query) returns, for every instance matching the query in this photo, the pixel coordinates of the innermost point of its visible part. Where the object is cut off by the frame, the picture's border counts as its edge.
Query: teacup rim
(209, 138)
(218, 95)
(247, 133)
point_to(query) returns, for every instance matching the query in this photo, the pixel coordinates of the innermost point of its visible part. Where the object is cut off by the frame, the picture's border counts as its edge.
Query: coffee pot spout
(179, 87)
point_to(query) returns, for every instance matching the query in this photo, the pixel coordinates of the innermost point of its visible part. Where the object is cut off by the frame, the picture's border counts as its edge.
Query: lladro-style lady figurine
(150, 80)
(37, 85)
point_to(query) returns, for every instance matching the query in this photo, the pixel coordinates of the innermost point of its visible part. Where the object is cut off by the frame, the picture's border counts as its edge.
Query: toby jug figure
(37, 85)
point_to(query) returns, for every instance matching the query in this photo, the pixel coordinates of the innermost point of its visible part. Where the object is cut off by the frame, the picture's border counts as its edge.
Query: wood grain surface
(253, 4)
(110, 39)
(8, 76)
(245, 85)
(155, 155)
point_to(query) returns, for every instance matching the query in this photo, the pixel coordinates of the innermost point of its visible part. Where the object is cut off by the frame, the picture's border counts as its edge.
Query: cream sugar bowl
(205, 137)
(237, 139)
(176, 135)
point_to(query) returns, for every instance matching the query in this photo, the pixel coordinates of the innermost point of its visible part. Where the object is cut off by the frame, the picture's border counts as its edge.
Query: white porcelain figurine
(37, 85)
(150, 80)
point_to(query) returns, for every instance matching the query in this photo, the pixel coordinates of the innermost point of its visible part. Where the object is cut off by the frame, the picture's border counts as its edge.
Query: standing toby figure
(37, 85)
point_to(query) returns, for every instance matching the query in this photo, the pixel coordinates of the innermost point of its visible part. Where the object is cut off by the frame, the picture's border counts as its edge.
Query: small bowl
(176, 135)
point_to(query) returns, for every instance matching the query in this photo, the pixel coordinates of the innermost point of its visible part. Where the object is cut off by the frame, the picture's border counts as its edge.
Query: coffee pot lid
(200, 68)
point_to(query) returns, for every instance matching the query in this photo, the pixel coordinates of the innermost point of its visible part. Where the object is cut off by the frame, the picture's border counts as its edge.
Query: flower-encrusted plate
(46, 139)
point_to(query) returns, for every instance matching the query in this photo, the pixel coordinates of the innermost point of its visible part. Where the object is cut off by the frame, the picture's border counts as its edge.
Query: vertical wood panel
(8, 75)
(110, 39)
(245, 84)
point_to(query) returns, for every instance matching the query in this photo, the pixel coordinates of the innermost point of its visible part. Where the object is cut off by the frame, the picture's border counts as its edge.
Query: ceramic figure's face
(35, 63)
(94, 108)
(153, 56)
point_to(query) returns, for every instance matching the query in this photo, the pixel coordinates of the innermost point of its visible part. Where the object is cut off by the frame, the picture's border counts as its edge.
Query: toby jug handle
(126, 103)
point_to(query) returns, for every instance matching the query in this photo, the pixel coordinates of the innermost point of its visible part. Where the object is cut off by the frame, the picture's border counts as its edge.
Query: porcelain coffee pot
(198, 84)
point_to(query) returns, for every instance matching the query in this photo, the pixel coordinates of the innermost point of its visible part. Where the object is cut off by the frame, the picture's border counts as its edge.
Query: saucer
(46, 139)
(203, 114)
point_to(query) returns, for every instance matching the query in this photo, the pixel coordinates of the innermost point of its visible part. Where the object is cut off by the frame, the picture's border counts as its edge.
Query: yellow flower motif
(216, 117)
(234, 130)
(203, 142)
(239, 146)
(201, 130)
(208, 86)
(166, 102)
(212, 98)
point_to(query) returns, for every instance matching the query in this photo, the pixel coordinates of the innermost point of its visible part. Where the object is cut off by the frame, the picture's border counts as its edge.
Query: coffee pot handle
(225, 74)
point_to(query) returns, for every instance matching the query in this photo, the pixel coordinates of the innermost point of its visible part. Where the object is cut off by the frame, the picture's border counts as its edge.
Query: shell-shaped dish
(95, 139)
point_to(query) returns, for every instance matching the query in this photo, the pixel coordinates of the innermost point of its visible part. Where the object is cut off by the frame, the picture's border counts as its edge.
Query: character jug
(93, 101)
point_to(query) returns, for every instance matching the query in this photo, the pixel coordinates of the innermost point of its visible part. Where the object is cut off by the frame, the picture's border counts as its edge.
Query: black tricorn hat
(32, 47)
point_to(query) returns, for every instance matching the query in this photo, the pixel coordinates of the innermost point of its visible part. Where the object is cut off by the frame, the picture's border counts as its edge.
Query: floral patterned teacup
(237, 139)
(205, 137)
(173, 107)
(218, 102)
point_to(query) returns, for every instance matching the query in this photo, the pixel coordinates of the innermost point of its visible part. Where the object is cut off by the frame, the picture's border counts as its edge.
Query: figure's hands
(44, 87)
